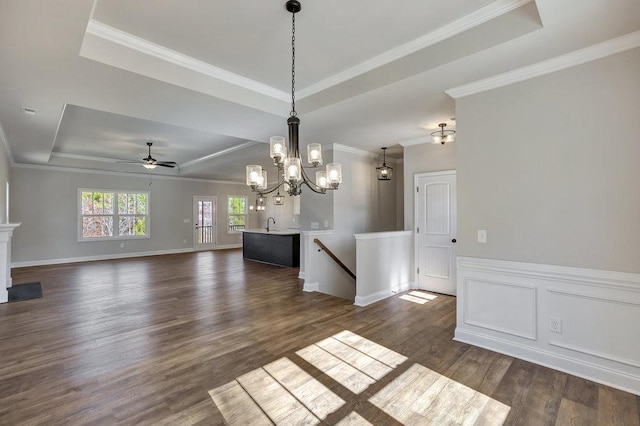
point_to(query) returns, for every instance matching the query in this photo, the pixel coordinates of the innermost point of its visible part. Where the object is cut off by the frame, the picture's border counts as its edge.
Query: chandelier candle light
(291, 173)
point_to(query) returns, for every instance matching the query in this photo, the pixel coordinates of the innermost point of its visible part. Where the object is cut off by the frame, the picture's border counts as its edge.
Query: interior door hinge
(417, 189)
(417, 230)
(418, 270)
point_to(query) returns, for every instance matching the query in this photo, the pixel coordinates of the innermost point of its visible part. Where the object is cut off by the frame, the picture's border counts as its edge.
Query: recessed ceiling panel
(252, 38)
(91, 133)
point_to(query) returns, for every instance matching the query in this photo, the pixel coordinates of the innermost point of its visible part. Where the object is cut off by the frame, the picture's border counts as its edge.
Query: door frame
(416, 252)
(213, 245)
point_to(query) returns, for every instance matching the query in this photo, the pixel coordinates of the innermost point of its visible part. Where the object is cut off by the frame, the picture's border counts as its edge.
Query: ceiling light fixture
(442, 136)
(384, 172)
(291, 173)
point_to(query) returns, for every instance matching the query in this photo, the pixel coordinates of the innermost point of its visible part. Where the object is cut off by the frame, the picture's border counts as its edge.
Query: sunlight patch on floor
(421, 396)
(354, 419)
(418, 297)
(351, 360)
(280, 392)
(283, 393)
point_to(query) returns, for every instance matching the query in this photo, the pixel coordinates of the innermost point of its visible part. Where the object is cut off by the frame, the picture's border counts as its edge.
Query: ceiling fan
(151, 163)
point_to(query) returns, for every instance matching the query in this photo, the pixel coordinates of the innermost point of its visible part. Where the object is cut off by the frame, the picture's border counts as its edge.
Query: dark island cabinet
(277, 248)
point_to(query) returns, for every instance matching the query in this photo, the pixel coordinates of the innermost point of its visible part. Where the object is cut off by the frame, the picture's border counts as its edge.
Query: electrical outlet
(555, 325)
(315, 225)
(482, 235)
(184, 241)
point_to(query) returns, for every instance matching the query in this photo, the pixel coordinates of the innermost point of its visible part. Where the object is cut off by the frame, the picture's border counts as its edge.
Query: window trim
(246, 212)
(115, 215)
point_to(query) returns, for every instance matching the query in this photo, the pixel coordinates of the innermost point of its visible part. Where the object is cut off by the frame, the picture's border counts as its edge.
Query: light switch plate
(482, 235)
(315, 225)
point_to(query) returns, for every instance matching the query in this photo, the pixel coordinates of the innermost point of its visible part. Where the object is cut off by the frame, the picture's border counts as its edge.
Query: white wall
(45, 201)
(550, 168)
(382, 268)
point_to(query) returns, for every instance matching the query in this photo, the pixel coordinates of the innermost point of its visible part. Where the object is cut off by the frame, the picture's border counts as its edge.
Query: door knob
(453, 241)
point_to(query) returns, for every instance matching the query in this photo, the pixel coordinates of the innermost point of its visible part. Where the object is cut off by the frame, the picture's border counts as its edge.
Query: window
(237, 213)
(112, 215)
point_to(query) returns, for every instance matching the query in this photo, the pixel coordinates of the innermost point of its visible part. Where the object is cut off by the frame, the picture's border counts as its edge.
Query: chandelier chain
(293, 66)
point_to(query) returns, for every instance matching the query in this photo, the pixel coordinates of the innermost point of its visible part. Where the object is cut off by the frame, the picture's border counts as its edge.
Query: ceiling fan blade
(130, 161)
(164, 164)
(167, 162)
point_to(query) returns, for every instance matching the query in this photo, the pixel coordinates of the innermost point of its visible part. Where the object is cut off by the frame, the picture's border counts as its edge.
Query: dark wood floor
(143, 341)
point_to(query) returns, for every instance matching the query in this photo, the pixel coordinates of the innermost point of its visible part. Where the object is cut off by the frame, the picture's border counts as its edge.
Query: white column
(6, 231)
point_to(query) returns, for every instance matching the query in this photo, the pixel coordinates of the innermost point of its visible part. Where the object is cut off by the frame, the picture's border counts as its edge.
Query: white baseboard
(515, 308)
(228, 246)
(606, 376)
(4, 295)
(114, 256)
(380, 295)
(301, 275)
(311, 287)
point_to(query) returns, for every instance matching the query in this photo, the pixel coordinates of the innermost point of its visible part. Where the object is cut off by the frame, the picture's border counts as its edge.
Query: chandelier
(384, 172)
(291, 173)
(442, 135)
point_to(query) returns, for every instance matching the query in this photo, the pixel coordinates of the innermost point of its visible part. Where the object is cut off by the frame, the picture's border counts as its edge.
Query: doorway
(436, 228)
(204, 218)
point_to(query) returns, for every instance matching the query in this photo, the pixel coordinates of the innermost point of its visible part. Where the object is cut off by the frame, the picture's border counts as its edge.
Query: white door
(204, 219)
(435, 203)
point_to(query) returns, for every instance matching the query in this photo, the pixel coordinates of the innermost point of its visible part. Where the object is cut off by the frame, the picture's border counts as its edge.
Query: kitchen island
(275, 247)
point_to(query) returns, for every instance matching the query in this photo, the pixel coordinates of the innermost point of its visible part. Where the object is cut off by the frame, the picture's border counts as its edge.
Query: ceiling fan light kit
(151, 163)
(291, 173)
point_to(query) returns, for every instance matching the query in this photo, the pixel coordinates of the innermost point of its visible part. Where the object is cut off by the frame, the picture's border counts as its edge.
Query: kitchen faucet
(268, 219)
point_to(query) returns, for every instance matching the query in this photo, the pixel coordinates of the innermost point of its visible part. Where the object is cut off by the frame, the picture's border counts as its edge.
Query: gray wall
(4, 178)
(550, 168)
(317, 207)
(45, 201)
(283, 215)
(398, 178)
(363, 204)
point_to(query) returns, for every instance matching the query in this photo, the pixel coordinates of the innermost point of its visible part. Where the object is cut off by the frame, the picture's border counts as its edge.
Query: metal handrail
(333, 256)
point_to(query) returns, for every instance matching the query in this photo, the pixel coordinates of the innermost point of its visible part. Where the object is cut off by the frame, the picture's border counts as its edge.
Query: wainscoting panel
(501, 306)
(581, 321)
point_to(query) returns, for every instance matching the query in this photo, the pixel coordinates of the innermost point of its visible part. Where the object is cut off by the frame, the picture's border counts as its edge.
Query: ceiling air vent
(29, 111)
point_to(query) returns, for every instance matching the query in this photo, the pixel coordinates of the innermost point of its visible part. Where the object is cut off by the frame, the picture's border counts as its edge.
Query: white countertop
(273, 231)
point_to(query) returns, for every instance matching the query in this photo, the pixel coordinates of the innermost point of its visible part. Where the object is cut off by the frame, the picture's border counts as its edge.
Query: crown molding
(352, 150)
(114, 173)
(114, 35)
(418, 141)
(478, 17)
(82, 157)
(572, 59)
(55, 136)
(218, 154)
(5, 144)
